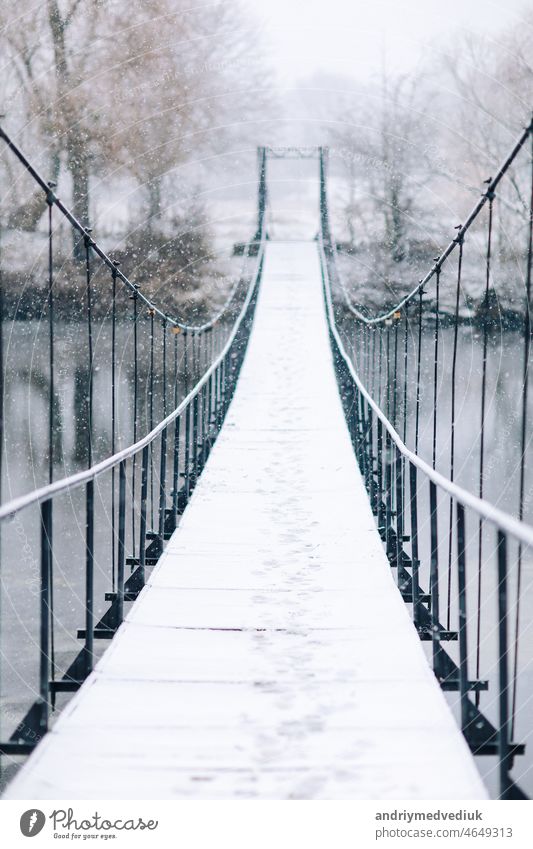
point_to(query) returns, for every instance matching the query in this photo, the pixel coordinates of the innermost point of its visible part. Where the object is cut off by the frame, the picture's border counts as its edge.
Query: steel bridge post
(415, 561)
(121, 542)
(45, 599)
(324, 213)
(89, 578)
(503, 670)
(463, 621)
(434, 578)
(261, 192)
(144, 498)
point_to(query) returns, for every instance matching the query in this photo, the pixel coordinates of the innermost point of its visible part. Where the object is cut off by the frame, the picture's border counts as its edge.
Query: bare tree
(382, 142)
(488, 100)
(56, 50)
(180, 93)
(108, 85)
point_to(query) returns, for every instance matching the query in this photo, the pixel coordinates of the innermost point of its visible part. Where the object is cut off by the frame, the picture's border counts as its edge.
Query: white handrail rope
(71, 482)
(504, 522)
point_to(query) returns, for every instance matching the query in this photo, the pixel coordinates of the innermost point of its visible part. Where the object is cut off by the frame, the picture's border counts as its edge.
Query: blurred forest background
(127, 107)
(147, 116)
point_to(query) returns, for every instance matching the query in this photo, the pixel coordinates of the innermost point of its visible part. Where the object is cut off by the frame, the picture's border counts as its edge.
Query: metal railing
(437, 534)
(165, 464)
(423, 516)
(161, 323)
(184, 440)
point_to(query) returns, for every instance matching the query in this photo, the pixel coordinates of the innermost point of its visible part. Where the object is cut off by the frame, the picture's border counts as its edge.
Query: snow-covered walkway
(271, 655)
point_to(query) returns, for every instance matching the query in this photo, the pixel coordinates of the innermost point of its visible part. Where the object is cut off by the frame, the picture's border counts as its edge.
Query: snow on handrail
(519, 530)
(71, 482)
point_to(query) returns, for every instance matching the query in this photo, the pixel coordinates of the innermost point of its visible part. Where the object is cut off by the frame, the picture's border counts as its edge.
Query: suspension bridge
(293, 603)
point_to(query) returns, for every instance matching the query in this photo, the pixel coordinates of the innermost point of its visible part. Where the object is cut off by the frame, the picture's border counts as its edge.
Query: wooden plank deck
(271, 655)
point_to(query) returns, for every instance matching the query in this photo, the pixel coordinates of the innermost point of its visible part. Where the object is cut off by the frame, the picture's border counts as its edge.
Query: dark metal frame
(213, 392)
(395, 478)
(392, 474)
(185, 436)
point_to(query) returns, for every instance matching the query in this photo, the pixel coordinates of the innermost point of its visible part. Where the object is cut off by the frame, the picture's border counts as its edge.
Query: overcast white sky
(347, 36)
